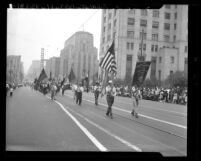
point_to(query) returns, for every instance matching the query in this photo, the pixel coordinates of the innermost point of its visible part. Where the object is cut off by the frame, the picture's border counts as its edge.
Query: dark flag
(42, 76)
(50, 76)
(108, 62)
(141, 70)
(71, 76)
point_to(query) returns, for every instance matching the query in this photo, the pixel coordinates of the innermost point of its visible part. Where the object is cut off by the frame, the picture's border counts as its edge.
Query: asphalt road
(34, 122)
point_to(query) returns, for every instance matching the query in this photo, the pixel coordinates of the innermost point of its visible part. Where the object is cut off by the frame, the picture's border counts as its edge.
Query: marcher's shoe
(132, 113)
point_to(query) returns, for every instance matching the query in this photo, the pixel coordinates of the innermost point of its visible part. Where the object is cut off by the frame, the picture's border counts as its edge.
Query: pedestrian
(53, 91)
(7, 89)
(111, 93)
(11, 91)
(80, 89)
(136, 96)
(96, 92)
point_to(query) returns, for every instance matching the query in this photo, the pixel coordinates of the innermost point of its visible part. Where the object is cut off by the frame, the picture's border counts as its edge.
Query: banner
(140, 73)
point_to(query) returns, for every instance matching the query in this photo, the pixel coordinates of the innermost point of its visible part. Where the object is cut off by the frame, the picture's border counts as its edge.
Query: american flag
(108, 62)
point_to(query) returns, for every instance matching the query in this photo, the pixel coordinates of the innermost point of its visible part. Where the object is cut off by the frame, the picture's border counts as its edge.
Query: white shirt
(80, 89)
(111, 90)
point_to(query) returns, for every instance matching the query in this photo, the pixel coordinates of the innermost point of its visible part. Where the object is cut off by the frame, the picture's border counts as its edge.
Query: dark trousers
(110, 101)
(63, 90)
(79, 98)
(96, 94)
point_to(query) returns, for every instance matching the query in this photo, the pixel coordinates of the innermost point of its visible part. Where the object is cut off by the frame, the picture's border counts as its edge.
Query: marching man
(111, 93)
(80, 89)
(96, 92)
(136, 95)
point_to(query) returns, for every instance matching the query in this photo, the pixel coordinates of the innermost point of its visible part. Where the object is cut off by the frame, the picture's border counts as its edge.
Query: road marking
(109, 133)
(89, 135)
(170, 123)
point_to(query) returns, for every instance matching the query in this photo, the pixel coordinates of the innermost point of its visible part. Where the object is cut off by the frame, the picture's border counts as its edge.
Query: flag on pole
(108, 62)
(42, 76)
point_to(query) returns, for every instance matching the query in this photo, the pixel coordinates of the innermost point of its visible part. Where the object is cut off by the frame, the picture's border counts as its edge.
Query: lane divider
(88, 134)
(114, 107)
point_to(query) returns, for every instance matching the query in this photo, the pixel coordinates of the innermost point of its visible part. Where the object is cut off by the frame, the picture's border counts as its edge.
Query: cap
(110, 81)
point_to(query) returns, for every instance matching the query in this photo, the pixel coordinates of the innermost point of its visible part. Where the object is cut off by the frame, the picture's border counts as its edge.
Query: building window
(103, 40)
(156, 48)
(160, 59)
(174, 38)
(144, 47)
(110, 16)
(130, 34)
(128, 45)
(143, 23)
(108, 37)
(152, 48)
(115, 23)
(128, 65)
(104, 19)
(172, 59)
(167, 6)
(104, 29)
(156, 13)
(109, 26)
(159, 74)
(166, 26)
(143, 12)
(132, 46)
(131, 11)
(155, 24)
(131, 21)
(186, 49)
(144, 36)
(175, 15)
(114, 35)
(167, 15)
(175, 26)
(166, 38)
(155, 37)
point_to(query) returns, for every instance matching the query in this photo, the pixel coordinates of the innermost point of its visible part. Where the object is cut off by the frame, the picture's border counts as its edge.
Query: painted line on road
(152, 118)
(108, 132)
(88, 134)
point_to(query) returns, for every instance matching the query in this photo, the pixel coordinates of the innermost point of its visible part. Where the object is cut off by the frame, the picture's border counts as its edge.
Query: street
(34, 122)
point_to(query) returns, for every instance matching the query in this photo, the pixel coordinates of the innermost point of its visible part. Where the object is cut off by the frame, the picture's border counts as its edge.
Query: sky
(28, 30)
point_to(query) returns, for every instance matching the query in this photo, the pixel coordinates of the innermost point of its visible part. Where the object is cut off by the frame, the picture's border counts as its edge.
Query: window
(104, 29)
(175, 15)
(143, 12)
(175, 26)
(152, 48)
(132, 46)
(110, 15)
(129, 65)
(143, 23)
(174, 38)
(166, 26)
(131, 21)
(166, 38)
(108, 37)
(144, 46)
(186, 49)
(156, 48)
(155, 37)
(167, 6)
(109, 26)
(130, 34)
(155, 24)
(128, 45)
(131, 11)
(156, 13)
(159, 74)
(104, 19)
(160, 59)
(144, 36)
(103, 40)
(115, 22)
(172, 59)
(114, 35)
(167, 15)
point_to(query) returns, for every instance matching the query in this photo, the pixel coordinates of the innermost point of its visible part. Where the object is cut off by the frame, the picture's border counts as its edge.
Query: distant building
(15, 69)
(52, 66)
(160, 28)
(79, 54)
(34, 70)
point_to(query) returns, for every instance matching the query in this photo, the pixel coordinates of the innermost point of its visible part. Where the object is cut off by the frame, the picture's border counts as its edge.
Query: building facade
(79, 54)
(15, 71)
(146, 32)
(34, 70)
(53, 67)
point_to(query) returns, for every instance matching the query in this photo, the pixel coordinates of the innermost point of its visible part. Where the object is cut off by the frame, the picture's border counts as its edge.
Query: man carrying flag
(108, 63)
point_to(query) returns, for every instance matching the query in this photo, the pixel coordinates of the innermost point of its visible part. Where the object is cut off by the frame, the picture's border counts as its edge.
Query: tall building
(53, 66)
(14, 69)
(150, 32)
(42, 58)
(34, 70)
(79, 54)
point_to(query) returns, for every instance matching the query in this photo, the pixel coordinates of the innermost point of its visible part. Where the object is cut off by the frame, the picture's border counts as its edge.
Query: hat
(110, 81)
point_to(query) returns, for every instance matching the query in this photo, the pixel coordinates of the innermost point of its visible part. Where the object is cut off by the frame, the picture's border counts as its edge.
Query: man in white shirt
(96, 92)
(111, 93)
(80, 89)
